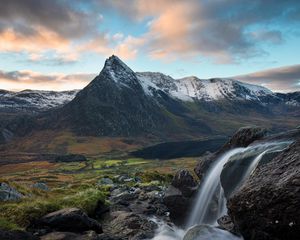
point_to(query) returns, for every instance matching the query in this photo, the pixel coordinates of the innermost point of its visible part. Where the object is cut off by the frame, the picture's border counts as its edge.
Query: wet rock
(207, 232)
(16, 235)
(132, 226)
(178, 205)
(267, 206)
(242, 138)
(68, 219)
(226, 223)
(8, 193)
(185, 182)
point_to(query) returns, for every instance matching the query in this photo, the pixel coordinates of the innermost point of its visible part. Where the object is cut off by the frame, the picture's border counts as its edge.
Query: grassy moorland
(75, 184)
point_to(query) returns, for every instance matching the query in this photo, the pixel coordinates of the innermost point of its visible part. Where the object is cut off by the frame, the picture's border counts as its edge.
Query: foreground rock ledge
(268, 205)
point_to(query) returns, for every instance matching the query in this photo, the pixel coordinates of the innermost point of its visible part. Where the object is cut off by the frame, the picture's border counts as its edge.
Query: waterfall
(211, 189)
(210, 203)
(208, 190)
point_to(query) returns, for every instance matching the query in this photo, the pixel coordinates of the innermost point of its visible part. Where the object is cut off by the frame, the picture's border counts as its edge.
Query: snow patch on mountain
(35, 100)
(193, 88)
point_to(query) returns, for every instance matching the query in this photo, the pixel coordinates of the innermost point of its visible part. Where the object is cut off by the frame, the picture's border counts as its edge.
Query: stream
(210, 202)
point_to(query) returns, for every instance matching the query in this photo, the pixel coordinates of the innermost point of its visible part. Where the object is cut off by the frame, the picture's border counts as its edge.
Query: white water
(210, 186)
(211, 191)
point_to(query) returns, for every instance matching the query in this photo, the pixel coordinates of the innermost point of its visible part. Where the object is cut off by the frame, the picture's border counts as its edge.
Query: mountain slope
(113, 104)
(33, 100)
(120, 102)
(193, 88)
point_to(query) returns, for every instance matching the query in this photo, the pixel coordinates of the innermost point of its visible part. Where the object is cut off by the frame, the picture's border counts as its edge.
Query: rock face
(8, 193)
(268, 205)
(242, 138)
(179, 196)
(69, 219)
(113, 104)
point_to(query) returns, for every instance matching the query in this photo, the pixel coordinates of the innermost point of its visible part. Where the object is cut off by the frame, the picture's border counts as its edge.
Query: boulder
(242, 138)
(8, 193)
(185, 182)
(41, 186)
(267, 206)
(226, 223)
(178, 205)
(16, 235)
(68, 219)
(207, 232)
(128, 225)
(106, 181)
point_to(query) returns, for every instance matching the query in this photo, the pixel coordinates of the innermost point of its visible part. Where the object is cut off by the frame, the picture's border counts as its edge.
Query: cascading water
(210, 203)
(210, 188)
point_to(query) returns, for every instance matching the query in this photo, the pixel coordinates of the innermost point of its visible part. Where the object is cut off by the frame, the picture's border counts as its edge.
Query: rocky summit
(121, 102)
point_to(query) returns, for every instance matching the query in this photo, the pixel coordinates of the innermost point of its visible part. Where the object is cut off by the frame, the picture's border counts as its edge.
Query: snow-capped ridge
(193, 88)
(35, 99)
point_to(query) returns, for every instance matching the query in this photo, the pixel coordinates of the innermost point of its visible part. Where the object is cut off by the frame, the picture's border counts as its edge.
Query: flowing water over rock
(210, 203)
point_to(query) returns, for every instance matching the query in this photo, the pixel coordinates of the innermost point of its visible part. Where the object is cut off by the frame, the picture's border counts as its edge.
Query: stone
(8, 193)
(69, 220)
(267, 206)
(185, 182)
(41, 186)
(132, 226)
(106, 181)
(207, 232)
(178, 205)
(242, 138)
(70, 236)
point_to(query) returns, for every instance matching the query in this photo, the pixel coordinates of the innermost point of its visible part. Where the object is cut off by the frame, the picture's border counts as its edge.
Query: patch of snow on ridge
(36, 99)
(191, 88)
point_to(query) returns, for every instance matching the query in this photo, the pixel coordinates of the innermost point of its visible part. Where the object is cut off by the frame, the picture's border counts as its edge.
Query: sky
(62, 44)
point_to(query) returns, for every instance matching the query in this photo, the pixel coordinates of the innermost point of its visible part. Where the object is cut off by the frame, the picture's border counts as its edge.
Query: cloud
(282, 79)
(58, 16)
(27, 79)
(224, 31)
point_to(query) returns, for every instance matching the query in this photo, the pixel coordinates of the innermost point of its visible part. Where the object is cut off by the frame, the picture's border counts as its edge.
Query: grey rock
(70, 236)
(267, 206)
(207, 232)
(68, 219)
(132, 226)
(242, 138)
(178, 205)
(106, 181)
(185, 182)
(8, 193)
(41, 186)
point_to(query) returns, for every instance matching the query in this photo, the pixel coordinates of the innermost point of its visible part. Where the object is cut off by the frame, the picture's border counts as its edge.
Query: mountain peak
(114, 61)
